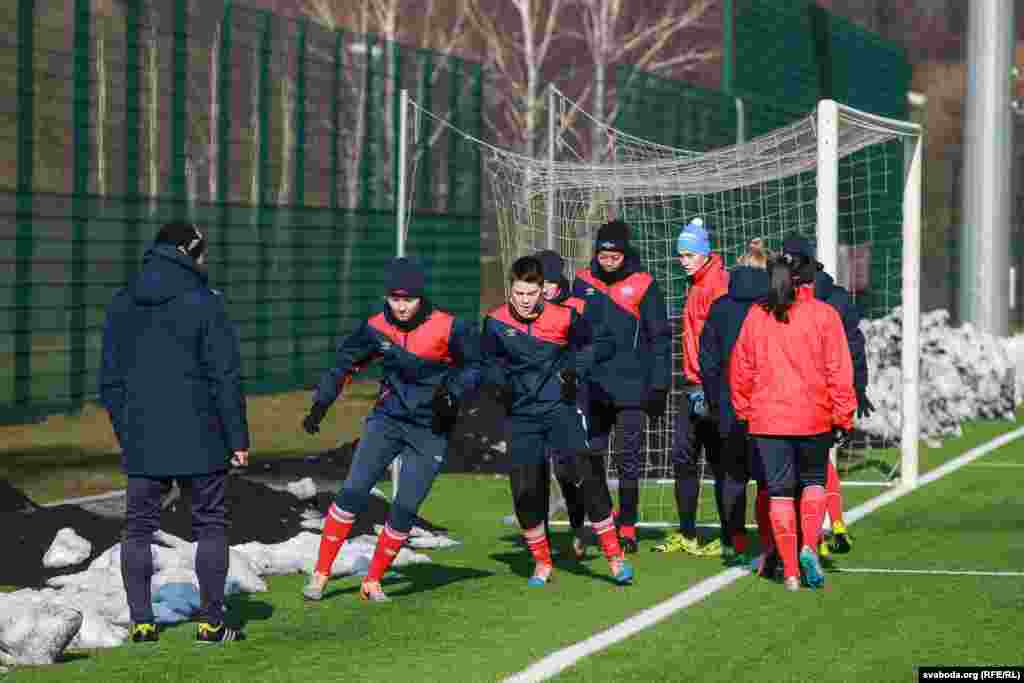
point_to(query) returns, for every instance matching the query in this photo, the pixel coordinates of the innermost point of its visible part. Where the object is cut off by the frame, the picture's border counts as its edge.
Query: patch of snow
(67, 550)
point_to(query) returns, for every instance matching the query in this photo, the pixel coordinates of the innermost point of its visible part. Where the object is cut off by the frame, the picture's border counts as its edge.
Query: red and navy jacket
(630, 305)
(434, 348)
(525, 356)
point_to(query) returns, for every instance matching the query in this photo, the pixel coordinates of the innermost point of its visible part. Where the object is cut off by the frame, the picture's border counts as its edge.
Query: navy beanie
(798, 246)
(552, 265)
(405, 278)
(613, 236)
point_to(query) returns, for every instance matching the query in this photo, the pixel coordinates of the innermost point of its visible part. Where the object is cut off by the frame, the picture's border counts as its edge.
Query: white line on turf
(998, 464)
(933, 572)
(560, 660)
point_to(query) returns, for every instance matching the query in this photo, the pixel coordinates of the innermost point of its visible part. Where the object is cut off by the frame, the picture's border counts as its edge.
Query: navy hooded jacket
(632, 308)
(747, 286)
(170, 374)
(526, 356)
(826, 289)
(434, 348)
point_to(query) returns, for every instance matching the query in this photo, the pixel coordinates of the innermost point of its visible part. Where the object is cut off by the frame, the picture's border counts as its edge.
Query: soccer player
(431, 359)
(748, 285)
(535, 354)
(625, 299)
(557, 291)
(810, 271)
(694, 427)
(792, 383)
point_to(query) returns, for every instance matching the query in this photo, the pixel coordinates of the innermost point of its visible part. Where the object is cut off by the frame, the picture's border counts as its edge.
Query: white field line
(558, 661)
(932, 572)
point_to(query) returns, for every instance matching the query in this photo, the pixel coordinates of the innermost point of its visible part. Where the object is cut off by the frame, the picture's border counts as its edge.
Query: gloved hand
(445, 409)
(840, 437)
(311, 423)
(656, 402)
(864, 406)
(698, 405)
(570, 382)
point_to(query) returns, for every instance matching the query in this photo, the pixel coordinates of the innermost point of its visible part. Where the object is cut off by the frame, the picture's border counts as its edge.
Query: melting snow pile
(965, 375)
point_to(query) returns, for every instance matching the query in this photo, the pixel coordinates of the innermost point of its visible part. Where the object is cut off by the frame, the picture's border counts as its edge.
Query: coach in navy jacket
(171, 380)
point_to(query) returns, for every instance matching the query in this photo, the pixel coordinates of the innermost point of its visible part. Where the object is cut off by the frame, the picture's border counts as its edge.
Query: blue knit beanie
(694, 238)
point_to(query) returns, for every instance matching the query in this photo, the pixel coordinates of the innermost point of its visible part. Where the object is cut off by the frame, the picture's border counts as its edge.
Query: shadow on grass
(419, 577)
(521, 563)
(242, 609)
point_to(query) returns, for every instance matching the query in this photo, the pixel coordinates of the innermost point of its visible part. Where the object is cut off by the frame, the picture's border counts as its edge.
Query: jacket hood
(823, 285)
(630, 264)
(166, 274)
(748, 284)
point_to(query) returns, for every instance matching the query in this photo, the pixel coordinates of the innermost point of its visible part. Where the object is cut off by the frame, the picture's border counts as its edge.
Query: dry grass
(77, 455)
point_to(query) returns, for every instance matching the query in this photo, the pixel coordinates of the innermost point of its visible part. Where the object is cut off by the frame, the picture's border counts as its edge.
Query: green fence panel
(279, 136)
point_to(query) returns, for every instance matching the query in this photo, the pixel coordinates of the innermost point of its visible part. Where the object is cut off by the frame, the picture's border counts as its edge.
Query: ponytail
(782, 290)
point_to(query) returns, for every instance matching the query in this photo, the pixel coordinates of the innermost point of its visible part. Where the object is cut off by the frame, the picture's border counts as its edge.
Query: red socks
(537, 542)
(833, 498)
(388, 544)
(625, 531)
(739, 542)
(782, 512)
(812, 512)
(764, 522)
(337, 525)
(609, 540)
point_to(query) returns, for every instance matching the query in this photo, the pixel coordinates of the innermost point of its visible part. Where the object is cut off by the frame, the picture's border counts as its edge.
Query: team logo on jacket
(627, 291)
(510, 332)
(589, 291)
(385, 346)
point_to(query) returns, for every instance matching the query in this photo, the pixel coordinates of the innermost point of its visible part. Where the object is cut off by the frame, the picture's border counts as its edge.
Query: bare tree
(647, 43)
(517, 48)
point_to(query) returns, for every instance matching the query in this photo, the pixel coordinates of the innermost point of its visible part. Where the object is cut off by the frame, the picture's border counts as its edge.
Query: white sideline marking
(558, 661)
(936, 572)
(86, 499)
(998, 464)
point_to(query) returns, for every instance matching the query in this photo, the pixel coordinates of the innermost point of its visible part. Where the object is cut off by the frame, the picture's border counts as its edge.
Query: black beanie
(613, 236)
(405, 278)
(552, 265)
(184, 235)
(795, 245)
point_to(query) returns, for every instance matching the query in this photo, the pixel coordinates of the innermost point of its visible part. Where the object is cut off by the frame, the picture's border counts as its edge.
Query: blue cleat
(811, 567)
(622, 572)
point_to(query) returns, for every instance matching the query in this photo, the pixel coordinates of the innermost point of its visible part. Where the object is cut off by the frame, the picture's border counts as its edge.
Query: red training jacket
(709, 283)
(795, 378)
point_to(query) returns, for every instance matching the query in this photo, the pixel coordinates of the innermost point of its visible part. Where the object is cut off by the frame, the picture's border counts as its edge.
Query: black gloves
(311, 423)
(445, 409)
(570, 382)
(864, 406)
(655, 404)
(840, 437)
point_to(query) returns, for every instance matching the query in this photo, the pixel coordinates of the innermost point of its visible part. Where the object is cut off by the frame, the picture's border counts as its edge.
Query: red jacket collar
(714, 263)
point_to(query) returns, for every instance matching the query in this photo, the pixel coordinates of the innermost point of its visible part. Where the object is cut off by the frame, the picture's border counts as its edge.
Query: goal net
(848, 181)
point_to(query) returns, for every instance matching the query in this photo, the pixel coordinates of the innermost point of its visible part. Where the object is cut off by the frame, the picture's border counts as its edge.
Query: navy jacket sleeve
(464, 344)
(357, 349)
(709, 355)
(654, 318)
(590, 344)
(222, 359)
(493, 365)
(854, 339)
(111, 381)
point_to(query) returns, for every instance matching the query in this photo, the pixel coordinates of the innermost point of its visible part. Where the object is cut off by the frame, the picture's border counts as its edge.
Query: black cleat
(208, 633)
